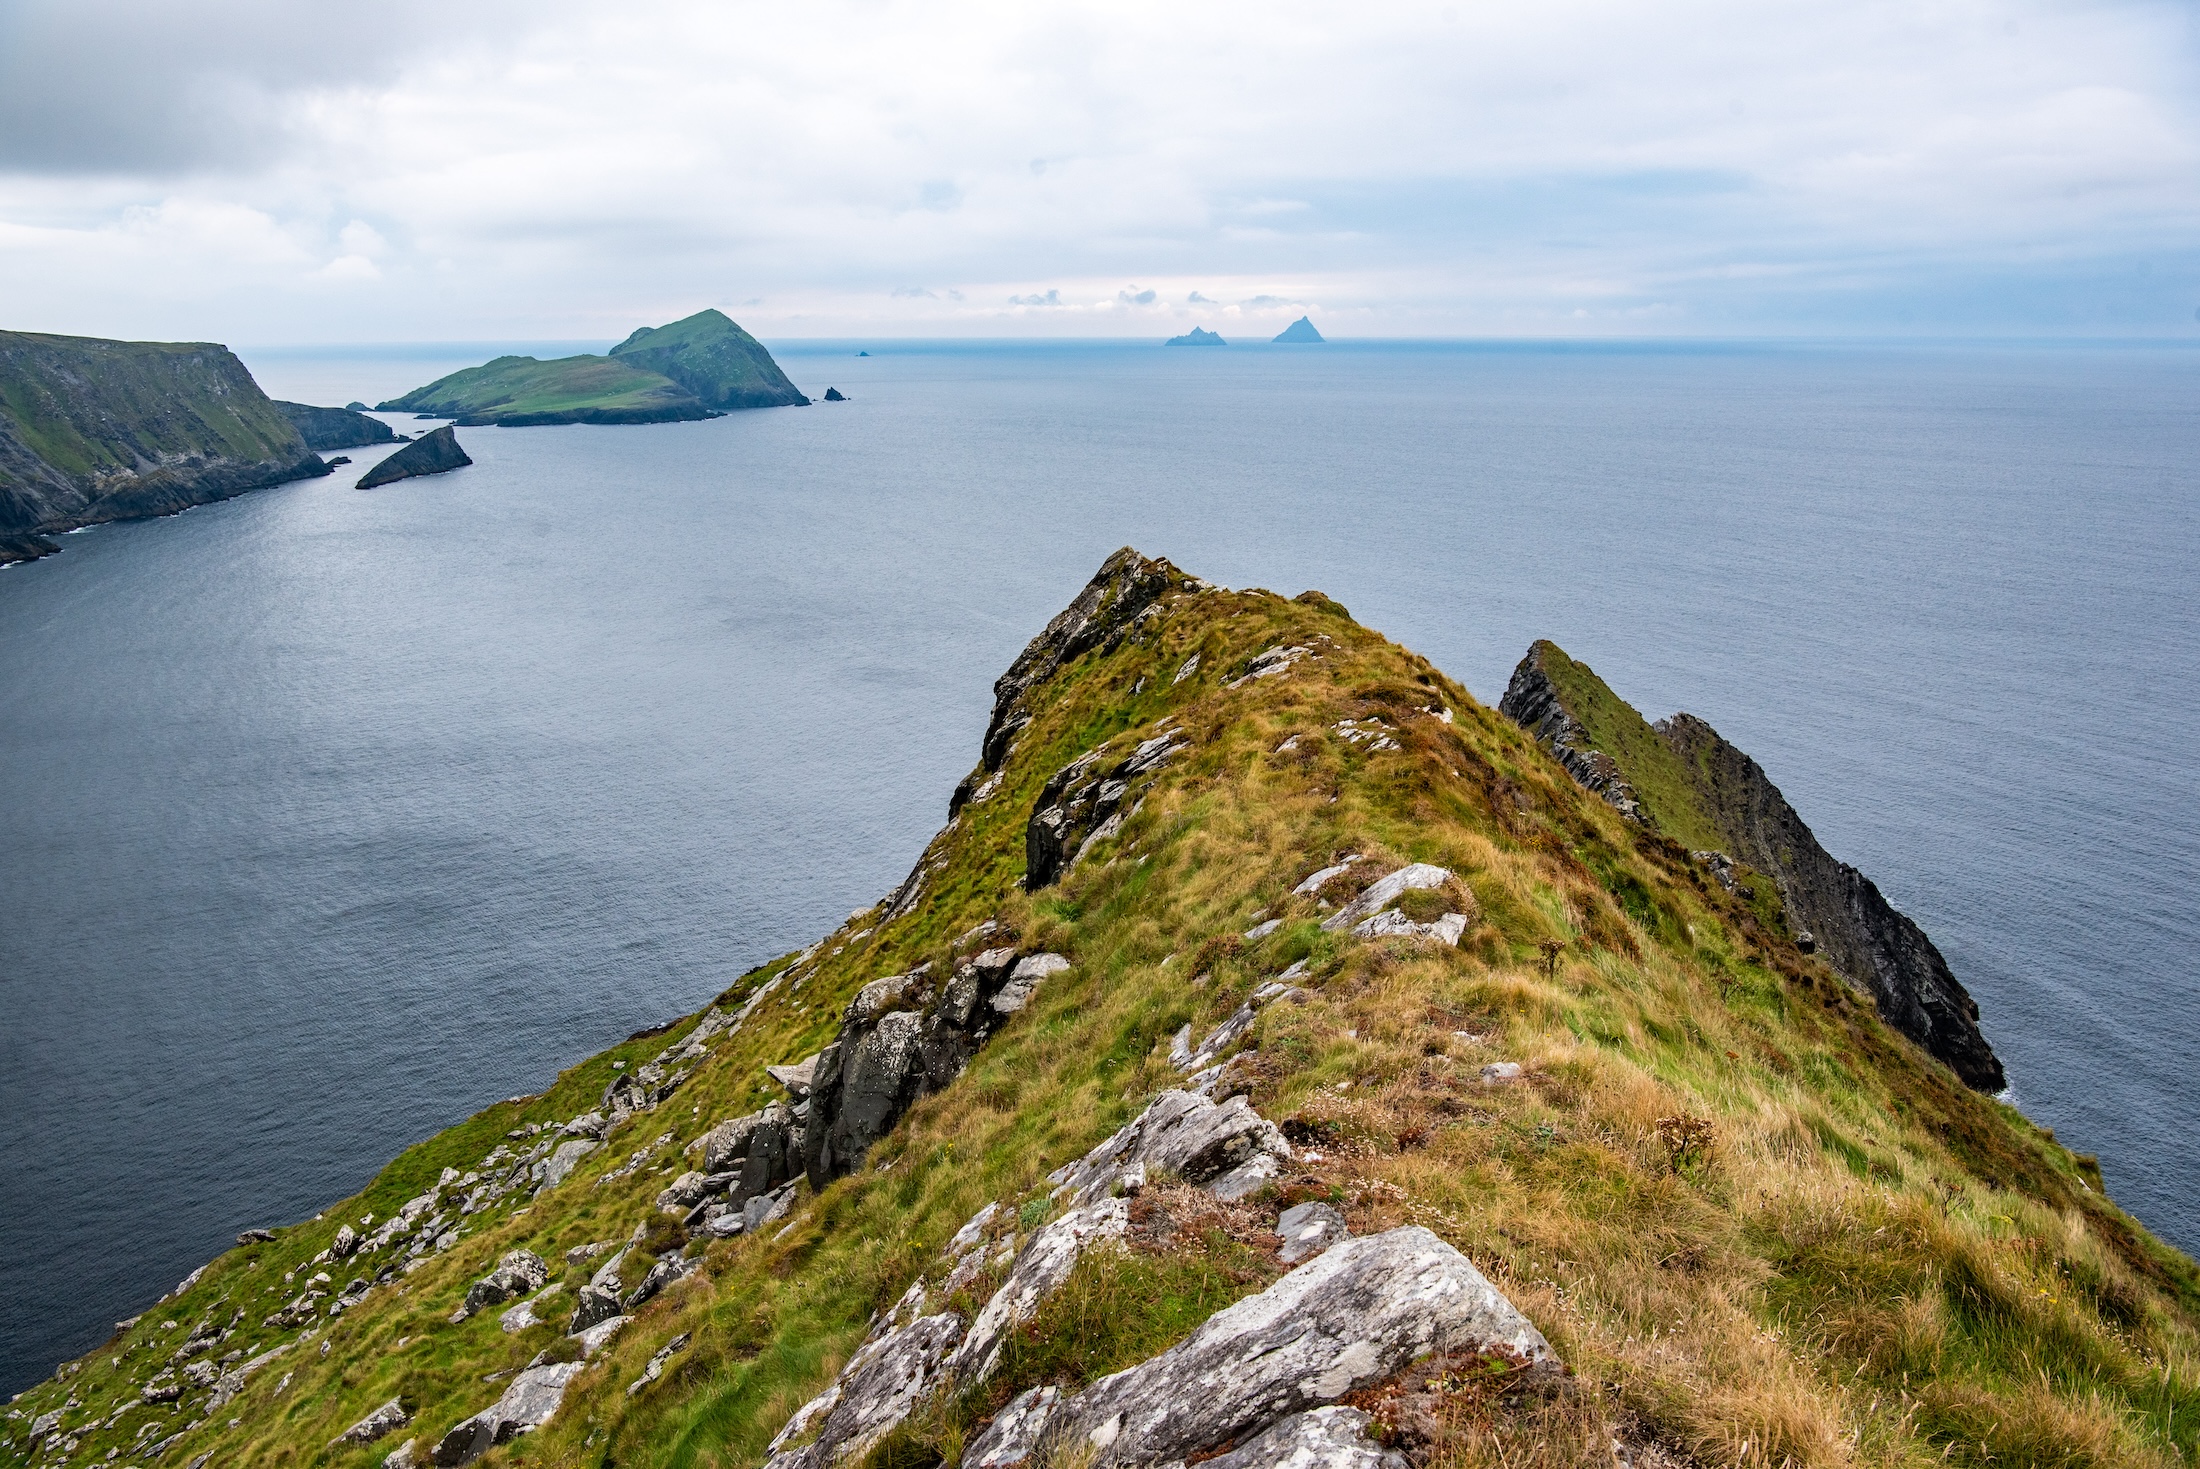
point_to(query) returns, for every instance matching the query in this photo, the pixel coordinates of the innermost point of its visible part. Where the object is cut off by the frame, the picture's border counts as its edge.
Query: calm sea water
(328, 817)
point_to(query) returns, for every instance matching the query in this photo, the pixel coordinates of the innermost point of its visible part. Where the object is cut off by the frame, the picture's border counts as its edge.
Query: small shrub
(1688, 1142)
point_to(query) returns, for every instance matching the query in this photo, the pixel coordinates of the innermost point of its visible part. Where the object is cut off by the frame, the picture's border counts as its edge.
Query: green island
(699, 367)
(1279, 1057)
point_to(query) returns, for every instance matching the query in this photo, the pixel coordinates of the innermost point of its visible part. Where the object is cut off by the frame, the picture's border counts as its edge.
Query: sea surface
(327, 817)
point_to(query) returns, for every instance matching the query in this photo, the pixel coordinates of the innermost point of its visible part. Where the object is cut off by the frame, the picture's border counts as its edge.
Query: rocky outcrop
(436, 453)
(1707, 789)
(1087, 801)
(1198, 336)
(1359, 1312)
(1124, 591)
(901, 1038)
(1301, 330)
(1532, 701)
(324, 429)
(94, 431)
(528, 1403)
(1849, 920)
(1332, 1437)
(1226, 1148)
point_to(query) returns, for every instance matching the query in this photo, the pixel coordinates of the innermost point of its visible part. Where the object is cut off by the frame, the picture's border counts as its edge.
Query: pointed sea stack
(436, 453)
(1301, 330)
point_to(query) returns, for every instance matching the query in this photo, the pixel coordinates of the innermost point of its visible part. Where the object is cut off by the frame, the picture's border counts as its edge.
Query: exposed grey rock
(1323, 1438)
(795, 1078)
(518, 1273)
(592, 1340)
(767, 1209)
(1532, 701)
(594, 1306)
(1016, 1431)
(657, 1361)
(1110, 608)
(527, 1313)
(1308, 1229)
(1354, 1315)
(382, 1422)
(1025, 978)
(528, 1403)
(882, 1383)
(1385, 891)
(1497, 1073)
(1087, 801)
(667, 1271)
(1185, 1134)
(406, 1456)
(1044, 1263)
(561, 1163)
(433, 453)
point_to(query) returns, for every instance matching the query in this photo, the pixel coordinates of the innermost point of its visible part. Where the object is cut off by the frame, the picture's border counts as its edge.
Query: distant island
(1301, 330)
(699, 367)
(1198, 336)
(93, 430)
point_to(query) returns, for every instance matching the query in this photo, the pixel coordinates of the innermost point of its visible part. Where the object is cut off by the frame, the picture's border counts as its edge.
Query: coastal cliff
(1277, 1058)
(1713, 798)
(94, 430)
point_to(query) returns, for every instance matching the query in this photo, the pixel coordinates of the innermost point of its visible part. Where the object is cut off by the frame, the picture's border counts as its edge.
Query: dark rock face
(1532, 702)
(335, 428)
(1084, 802)
(1835, 909)
(436, 453)
(835, 395)
(1124, 590)
(902, 1038)
(1858, 930)
(94, 431)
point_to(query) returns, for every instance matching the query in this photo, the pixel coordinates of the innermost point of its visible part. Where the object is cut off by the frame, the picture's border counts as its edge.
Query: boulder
(384, 1420)
(1332, 1438)
(1226, 1148)
(795, 1078)
(1385, 891)
(1355, 1315)
(594, 1307)
(561, 1163)
(1043, 1264)
(592, 1340)
(528, 1403)
(1308, 1229)
(1025, 978)
(518, 1273)
(883, 1382)
(1015, 1432)
(665, 1272)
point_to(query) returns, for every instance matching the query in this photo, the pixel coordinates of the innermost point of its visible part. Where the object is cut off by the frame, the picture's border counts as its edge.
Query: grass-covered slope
(521, 392)
(94, 430)
(711, 357)
(1759, 1227)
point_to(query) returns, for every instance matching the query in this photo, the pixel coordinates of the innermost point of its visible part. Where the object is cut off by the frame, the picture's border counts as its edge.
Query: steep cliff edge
(94, 430)
(1338, 1082)
(336, 428)
(1682, 778)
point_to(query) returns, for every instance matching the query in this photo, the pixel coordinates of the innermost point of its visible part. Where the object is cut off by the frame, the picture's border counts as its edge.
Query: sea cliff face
(1276, 1059)
(1720, 802)
(94, 430)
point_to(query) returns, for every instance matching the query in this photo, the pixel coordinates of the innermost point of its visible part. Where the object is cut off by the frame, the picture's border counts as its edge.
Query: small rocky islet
(1278, 1058)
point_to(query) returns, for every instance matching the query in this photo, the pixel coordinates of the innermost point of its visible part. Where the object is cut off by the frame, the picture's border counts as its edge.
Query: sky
(296, 172)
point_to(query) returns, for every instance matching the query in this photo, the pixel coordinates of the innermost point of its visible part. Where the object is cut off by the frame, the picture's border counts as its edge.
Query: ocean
(327, 817)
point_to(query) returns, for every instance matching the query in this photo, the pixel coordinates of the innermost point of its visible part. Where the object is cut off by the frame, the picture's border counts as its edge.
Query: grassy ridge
(1760, 1228)
(517, 390)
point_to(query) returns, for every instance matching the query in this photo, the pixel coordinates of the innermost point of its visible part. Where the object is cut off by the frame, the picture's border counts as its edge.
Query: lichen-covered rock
(383, 1421)
(1321, 1438)
(1308, 1229)
(1358, 1313)
(883, 1382)
(518, 1273)
(1385, 891)
(1087, 801)
(528, 1403)
(1041, 1266)
(1180, 1132)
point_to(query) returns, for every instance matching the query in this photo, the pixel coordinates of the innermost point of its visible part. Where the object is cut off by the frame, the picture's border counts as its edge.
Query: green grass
(584, 388)
(1856, 1261)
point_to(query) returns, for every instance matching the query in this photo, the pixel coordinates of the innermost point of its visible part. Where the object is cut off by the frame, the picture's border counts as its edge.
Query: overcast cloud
(262, 172)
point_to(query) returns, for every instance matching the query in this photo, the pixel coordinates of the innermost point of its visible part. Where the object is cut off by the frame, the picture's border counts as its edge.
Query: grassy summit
(1759, 1227)
(694, 368)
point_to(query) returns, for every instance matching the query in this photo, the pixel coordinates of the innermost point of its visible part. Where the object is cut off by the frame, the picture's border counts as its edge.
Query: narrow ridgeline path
(1278, 1058)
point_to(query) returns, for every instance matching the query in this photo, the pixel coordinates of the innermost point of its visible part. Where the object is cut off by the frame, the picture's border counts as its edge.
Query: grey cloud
(1195, 299)
(1261, 303)
(1137, 298)
(125, 87)
(1051, 298)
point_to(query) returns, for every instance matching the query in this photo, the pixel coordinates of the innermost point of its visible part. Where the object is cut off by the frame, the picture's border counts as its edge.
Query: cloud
(1268, 303)
(568, 170)
(915, 292)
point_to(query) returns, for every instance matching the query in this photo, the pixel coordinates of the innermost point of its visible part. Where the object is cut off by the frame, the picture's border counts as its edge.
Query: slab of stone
(1045, 1261)
(382, 1422)
(561, 1163)
(1308, 1229)
(1322, 1438)
(1385, 891)
(1183, 1133)
(528, 1403)
(883, 1382)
